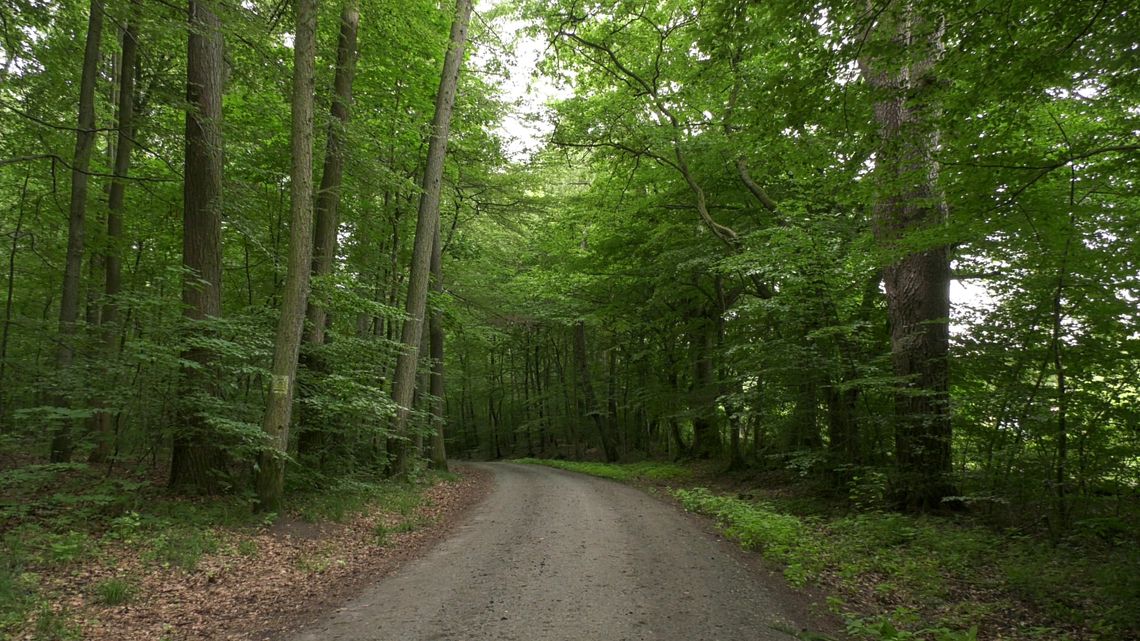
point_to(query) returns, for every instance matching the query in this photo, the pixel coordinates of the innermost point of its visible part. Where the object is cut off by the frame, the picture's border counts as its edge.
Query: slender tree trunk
(1061, 478)
(426, 229)
(328, 197)
(435, 340)
(918, 283)
(61, 444)
(706, 439)
(196, 458)
(325, 228)
(113, 259)
(11, 288)
(279, 410)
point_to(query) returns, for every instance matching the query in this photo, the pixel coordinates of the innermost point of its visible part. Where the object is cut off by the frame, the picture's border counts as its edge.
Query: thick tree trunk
(426, 228)
(61, 444)
(196, 458)
(917, 283)
(279, 409)
(589, 401)
(113, 260)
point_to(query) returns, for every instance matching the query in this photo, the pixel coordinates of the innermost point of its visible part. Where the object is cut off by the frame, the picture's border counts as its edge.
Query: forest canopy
(238, 238)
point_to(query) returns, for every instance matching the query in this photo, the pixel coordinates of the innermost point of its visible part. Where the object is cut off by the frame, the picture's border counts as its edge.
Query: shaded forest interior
(881, 254)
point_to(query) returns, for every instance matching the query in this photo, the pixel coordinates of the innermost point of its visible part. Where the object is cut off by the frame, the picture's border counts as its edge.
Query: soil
(260, 586)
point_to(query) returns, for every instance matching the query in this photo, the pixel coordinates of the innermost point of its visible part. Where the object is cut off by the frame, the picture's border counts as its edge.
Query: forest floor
(899, 577)
(183, 570)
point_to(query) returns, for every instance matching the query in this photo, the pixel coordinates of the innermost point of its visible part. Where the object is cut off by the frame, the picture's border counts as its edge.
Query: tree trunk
(61, 444)
(435, 339)
(327, 202)
(196, 458)
(11, 288)
(328, 197)
(589, 401)
(917, 283)
(426, 227)
(279, 409)
(706, 439)
(113, 260)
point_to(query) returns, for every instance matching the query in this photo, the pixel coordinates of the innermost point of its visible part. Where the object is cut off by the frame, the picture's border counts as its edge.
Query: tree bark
(279, 408)
(10, 291)
(426, 228)
(328, 196)
(113, 259)
(61, 444)
(589, 400)
(195, 458)
(435, 339)
(327, 204)
(918, 282)
(706, 438)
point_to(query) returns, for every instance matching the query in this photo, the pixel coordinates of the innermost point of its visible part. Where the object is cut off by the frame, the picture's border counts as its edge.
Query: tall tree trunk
(10, 291)
(279, 408)
(327, 203)
(589, 401)
(706, 439)
(61, 444)
(196, 458)
(328, 197)
(435, 340)
(1061, 478)
(113, 259)
(917, 283)
(426, 228)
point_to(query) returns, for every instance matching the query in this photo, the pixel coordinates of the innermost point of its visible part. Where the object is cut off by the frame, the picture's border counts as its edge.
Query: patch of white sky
(507, 46)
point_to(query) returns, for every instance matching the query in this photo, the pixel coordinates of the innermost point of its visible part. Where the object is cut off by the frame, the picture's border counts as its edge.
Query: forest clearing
(856, 283)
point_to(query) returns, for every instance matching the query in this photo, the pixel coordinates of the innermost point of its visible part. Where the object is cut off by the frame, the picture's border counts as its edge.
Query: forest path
(552, 555)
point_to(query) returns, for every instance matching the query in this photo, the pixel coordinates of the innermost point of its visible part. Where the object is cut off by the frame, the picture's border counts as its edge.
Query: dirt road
(552, 556)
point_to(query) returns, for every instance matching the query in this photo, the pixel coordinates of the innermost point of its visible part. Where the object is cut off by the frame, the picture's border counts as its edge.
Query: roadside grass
(57, 519)
(114, 591)
(925, 578)
(649, 470)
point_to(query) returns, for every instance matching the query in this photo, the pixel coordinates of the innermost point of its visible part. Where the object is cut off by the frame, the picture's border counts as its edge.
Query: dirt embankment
(260, 586)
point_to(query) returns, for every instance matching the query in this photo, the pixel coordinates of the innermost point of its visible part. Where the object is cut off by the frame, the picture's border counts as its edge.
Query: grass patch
(181, 547)
(114, 591)
(247, 548)
(407, 524)
(53, 625)
(344, 499)
(17, 595)
(951, 576)
(648, 470)
(320, 560)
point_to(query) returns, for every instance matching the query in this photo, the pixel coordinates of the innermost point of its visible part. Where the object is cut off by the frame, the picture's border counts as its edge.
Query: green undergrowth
(645, 470)
(934, 578)
(57, 519)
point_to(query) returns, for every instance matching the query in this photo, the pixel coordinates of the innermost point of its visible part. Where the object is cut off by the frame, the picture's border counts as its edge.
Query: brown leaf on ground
(298, 572)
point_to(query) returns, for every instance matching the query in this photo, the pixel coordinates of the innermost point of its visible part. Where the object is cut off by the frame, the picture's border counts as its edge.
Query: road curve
(556, 556)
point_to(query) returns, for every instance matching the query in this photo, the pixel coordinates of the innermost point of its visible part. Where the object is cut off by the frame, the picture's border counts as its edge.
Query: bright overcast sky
(526, 126)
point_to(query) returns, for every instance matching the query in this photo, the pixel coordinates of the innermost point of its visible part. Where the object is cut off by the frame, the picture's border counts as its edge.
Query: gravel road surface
(556, 556)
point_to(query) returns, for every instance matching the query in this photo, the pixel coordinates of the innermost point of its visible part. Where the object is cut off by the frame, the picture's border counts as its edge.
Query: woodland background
(735, 245)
